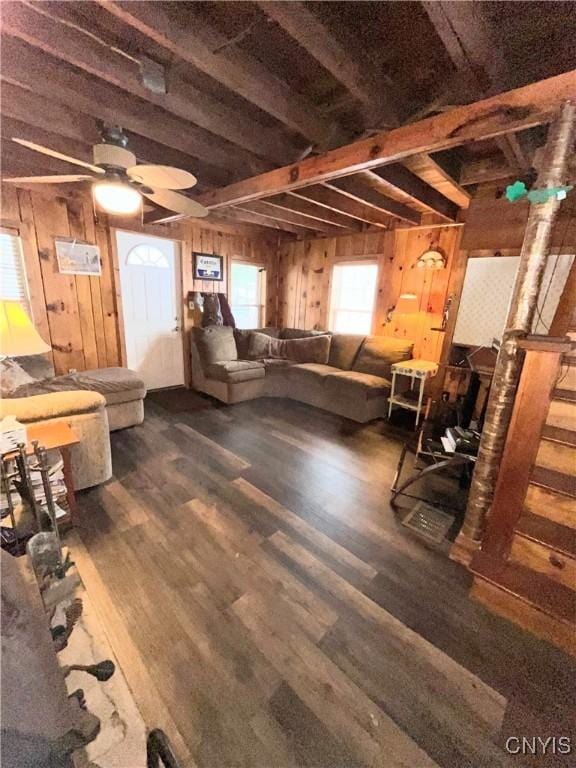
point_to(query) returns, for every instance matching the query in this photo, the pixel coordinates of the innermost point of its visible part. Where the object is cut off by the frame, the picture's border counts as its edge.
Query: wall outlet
(72, 370)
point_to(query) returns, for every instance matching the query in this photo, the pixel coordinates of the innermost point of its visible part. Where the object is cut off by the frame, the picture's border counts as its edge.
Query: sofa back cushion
(343, 350)
(378, 353)
(299, 333)
(314, 349)
(215, 344)
(242, 337)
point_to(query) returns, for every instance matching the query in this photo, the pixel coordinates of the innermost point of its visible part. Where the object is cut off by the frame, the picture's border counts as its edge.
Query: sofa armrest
(51, 406)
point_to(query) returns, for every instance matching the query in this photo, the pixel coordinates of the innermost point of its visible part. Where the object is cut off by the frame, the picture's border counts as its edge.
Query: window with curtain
(248, 294)
(352, 297)
(12, 275)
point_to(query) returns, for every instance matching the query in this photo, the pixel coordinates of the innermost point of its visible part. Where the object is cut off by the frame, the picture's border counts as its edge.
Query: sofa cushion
(261, 346)
(215, 344)
(343, 350)
(51, 406)
(118, 385)
(242, 338)
(355, 384)
(313, 371)
(299, 333)
(276, 365)
(313, 349)
(236, 371)
(378, 353)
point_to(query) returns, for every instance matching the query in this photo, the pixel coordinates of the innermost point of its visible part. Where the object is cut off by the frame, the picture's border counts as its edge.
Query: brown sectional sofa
(348, 375)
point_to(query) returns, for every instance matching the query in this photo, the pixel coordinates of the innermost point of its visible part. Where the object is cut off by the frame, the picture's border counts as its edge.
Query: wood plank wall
(81, 316)
(305, 269)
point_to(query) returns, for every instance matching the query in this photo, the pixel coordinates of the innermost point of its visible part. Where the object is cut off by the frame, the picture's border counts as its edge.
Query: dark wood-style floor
(269, 610)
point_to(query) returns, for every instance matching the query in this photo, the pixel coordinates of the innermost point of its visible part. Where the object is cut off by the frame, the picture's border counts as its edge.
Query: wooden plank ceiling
(254, 86)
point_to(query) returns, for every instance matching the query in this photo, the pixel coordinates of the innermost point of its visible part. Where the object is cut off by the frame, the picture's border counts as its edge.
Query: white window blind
(248, 288)
(352, 297)
(12, 275)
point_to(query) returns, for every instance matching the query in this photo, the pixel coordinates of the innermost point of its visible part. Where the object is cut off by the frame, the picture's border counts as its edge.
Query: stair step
(555, 481)
(558, 435)
(551, 505)
(556, 456)
(562, 413)
(527, 598)
(557, 537)
(564, 394)
(546, 547)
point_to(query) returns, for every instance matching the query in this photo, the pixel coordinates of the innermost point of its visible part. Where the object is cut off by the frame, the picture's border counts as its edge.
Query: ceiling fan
(118, 181)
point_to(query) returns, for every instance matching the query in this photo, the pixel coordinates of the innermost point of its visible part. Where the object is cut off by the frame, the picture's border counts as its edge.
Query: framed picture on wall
(77, 258)
(208, 267)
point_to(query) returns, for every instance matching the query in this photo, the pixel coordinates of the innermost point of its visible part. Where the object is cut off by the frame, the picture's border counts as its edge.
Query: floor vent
(429, 521)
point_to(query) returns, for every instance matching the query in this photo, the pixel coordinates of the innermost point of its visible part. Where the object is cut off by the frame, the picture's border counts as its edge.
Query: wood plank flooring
(269, 611)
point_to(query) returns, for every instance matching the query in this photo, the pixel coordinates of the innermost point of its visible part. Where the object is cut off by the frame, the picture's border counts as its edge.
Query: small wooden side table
(416, 370)
(55, 435)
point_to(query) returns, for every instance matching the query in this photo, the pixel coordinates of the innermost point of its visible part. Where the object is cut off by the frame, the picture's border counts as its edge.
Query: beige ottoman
(124, 392)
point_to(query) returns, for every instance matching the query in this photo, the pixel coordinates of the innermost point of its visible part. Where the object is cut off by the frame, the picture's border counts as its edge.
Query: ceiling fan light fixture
(117, 198)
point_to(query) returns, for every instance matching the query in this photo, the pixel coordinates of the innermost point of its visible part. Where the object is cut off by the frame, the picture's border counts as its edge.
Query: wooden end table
(416, 370)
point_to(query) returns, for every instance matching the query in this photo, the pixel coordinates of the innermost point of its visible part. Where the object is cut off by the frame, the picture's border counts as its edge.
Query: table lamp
(18, 337)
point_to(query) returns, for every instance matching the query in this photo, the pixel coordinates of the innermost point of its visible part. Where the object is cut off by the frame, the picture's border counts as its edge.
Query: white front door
(150, 285)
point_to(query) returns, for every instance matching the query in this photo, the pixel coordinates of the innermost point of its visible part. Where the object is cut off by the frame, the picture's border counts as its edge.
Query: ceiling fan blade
(178, 203)
(161, 176)
(57, 155)
(48, 179)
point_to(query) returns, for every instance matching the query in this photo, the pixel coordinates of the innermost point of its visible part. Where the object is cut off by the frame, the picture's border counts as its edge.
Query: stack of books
(458, 440)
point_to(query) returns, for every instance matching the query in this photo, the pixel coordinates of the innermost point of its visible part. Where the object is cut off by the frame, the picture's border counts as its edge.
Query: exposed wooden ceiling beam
(197, 44)
(285, 216)
(514, 153)
(437, 175)
(314, 211)
(239, 213)
(485, 170)
(400, 178)
(350, 68)
(12, 128)
(44, 74)
(468, 41)
(46, 113)
(509, 112)
(359, 190)
(39, 25)
(336, 201)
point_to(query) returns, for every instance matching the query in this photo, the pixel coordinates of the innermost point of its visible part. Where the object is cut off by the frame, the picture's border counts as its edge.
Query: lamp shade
(18, 337)
(406, 304)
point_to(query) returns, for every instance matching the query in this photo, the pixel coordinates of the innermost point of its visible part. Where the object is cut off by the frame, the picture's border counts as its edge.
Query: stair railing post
(535, 246)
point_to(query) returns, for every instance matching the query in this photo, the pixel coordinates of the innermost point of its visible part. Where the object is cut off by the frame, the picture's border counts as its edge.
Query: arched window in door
(147, 256)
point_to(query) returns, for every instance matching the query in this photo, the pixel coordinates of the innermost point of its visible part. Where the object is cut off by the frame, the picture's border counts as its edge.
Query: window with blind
(352, 297)
(248, 299)
(12, 276)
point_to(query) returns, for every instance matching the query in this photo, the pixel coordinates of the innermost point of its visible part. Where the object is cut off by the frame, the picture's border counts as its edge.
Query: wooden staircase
(526, 569)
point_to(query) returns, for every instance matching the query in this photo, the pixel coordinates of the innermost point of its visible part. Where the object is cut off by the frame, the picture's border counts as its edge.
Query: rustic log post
(518, 324)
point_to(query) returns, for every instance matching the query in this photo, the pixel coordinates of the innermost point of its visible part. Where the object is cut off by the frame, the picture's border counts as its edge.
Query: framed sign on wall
(208, 267)
(77, 258)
